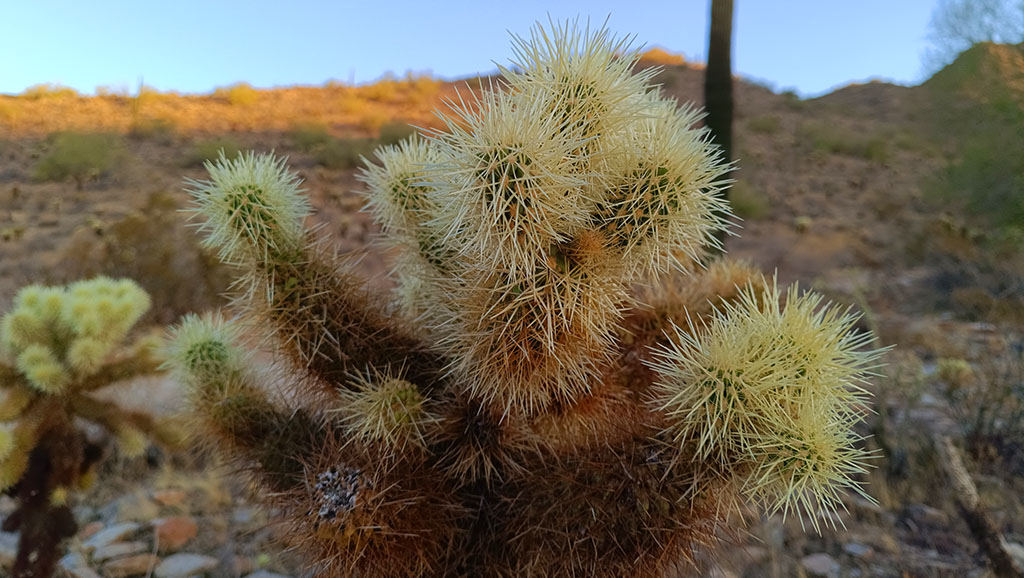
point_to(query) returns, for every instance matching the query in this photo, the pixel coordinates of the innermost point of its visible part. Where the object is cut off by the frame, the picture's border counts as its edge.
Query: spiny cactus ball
(564, 381)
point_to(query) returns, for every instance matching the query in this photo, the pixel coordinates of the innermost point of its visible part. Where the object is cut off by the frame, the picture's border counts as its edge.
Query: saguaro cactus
(58, 346)
(558, 387)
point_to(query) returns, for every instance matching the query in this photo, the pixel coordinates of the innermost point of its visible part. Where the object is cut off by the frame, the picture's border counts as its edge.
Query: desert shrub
(44, 91)
(309, 136)
(147, 96)
(393, 132)
(764, 124)
(986, 398)
(835, 140)
(352, 104)
(385, 89)
(987, 177)
(154, 246)
(373, 120)
(112, 92)
(239, 94)
(747, 202)
(327, 151)
(154, 129)
(792, 100)
(421, 86)
(210, 150)
(345, 153)
(78, 156)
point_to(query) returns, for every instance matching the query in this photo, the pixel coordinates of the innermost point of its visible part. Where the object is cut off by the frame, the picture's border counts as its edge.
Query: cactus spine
(558, 388)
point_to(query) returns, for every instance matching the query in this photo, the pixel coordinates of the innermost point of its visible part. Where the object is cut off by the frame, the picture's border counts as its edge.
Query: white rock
(82, 572)
(820, 565)
(118, 550)
(1016, 551)
(8, 549)
(185, 565)
(111, 535)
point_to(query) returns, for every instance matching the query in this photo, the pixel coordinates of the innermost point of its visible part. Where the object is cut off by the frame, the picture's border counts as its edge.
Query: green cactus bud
(396, 195)
(21, 328)
(740, 389)
(387, 409)
(202, 348)
(86, 354)
(252, 206)
(43, 369)
(506, 188)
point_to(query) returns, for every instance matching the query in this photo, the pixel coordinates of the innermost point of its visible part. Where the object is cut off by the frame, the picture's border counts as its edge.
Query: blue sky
(811, 46)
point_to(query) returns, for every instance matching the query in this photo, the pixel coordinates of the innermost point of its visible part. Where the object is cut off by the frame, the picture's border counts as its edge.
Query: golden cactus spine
(557, 388)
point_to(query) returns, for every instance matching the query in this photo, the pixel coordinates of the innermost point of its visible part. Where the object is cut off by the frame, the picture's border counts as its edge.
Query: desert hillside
(907, 202)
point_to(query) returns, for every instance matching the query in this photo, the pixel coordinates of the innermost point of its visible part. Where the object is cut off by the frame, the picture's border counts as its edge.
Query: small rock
(1016, 551)
(858, 550)
(821, 565)
(7, 506)
(72, 560)
(118, 550)
(174, 532)
(265, 574)
(171, 497)
(90, 530)
(110, 535)
(241, 565)
(137, 565)
(85, 513)
(8, 549)
(754, 554)
(184, 565)
(128, 508)
(927, 515)
(82, 572)
(243, 515)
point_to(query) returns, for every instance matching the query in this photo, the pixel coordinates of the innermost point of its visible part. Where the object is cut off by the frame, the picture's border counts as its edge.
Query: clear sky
(811, 46)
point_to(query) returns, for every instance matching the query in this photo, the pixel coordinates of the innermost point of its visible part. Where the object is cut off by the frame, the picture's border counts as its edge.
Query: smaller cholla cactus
(562, 384)
(59, 345)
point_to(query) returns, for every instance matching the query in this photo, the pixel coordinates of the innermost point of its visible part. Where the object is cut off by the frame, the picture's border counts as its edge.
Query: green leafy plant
(556, 387)
(58, 346)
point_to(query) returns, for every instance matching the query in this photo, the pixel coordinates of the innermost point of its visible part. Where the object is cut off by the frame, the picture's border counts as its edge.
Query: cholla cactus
(59, 345)
(559, 387)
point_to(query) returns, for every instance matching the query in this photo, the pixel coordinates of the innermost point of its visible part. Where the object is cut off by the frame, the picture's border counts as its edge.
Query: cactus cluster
(59, 346)
(563, 382)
